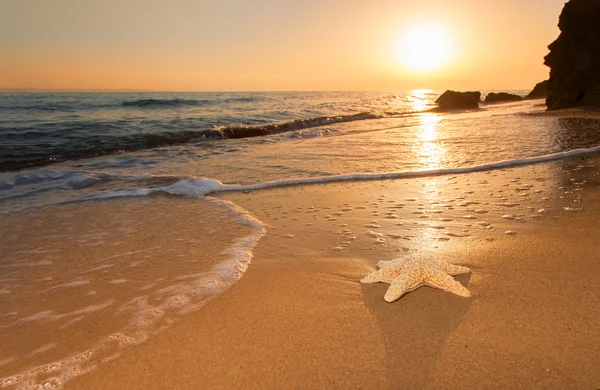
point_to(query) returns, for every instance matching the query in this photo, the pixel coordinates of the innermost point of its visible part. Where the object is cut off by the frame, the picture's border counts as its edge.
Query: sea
(69, 151)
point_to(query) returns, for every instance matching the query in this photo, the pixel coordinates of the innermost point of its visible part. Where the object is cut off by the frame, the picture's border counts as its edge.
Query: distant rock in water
(453, 100)
(540, 91)
(502, 97)
(574, 57)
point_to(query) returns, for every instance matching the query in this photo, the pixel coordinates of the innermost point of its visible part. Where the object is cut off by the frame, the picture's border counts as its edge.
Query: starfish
(408, 274)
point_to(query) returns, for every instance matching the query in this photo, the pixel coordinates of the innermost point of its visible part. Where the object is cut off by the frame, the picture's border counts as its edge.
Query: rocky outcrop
(502, 97)
(574, 57)
(540, 91)
(453, 100)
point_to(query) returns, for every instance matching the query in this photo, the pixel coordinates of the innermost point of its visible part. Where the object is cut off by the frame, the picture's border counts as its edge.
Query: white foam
(240, 253)
(189, 186)
(412, 174)
(204, 186)
(120, 193)
(194, 187)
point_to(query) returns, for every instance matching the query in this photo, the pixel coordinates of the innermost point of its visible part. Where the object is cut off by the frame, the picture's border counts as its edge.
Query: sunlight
(430, 192)
(430, 152)
(428, 126)
(420, 99)
(424, 47)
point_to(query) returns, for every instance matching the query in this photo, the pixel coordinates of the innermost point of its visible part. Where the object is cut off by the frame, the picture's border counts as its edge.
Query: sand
(299, 318)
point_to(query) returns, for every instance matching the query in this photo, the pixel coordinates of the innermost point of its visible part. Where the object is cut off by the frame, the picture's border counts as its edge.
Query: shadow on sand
(415, 328)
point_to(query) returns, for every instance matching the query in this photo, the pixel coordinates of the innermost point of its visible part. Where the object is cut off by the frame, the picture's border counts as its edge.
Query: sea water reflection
(430, 149)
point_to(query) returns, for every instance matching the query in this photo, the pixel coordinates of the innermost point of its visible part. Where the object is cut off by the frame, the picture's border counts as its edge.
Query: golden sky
(245, 45)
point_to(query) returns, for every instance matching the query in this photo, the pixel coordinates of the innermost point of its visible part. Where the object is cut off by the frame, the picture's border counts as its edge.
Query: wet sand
(300, 318)
(81, 282)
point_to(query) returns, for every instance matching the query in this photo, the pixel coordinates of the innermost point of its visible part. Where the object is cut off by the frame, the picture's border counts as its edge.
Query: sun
(424, 47)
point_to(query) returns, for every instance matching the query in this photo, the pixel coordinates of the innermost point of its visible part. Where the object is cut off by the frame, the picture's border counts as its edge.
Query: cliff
(574, 57)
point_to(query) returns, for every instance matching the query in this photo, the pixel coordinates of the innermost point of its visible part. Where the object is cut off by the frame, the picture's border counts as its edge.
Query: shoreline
(300, 317)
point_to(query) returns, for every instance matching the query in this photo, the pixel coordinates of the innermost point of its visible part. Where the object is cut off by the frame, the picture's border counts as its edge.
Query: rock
(574, 57)
(539, 91)
(453, 100)
(501, 97)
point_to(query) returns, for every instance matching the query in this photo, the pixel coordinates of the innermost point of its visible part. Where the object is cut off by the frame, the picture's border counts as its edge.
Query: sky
(269, 45)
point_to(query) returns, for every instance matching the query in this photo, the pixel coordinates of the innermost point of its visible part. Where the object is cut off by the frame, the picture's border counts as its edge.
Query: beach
(308, 195)
(237, 263)
(300, 318)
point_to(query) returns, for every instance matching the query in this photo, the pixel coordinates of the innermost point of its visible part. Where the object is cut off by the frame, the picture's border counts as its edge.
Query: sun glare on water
(424, 47)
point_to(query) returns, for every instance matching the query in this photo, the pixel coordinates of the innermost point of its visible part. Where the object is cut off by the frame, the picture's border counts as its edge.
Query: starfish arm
(384, 263)
(404, 283)
(373, 277)
(441, 280)
(452, 269)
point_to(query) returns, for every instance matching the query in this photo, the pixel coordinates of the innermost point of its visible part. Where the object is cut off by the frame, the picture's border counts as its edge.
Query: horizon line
(117, 90)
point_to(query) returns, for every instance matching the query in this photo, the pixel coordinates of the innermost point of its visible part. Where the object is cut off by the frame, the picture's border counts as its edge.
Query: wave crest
(165, 103)
(241, 131)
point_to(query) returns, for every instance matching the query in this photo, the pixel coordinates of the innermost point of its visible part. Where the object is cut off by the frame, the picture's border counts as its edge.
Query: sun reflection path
(421, 99)
(430, 150)
(429, 124)
(430, 153)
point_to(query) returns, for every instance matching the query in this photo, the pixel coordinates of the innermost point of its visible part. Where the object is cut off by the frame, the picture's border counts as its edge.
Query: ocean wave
(243, 99)
(76, 148)
(165, 103)
(241, 131)
(158, 103)
(80, 143)
(46, 107)
(179, 102)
